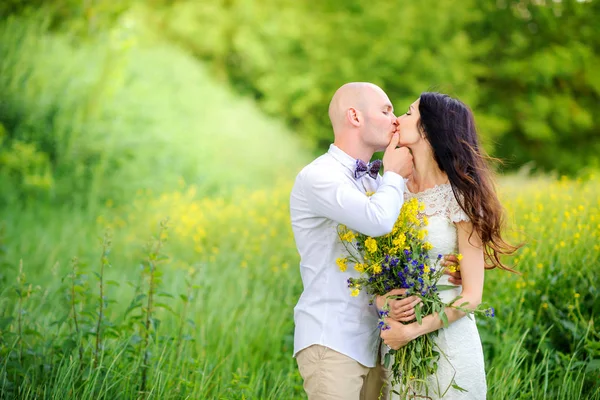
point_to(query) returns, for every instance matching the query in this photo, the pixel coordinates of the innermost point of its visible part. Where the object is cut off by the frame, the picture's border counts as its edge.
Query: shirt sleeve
(330, 194)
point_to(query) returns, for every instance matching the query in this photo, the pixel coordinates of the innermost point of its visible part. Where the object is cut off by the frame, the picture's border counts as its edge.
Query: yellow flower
(459, 257)
(376, 269)
(453, 268)
(355, 292)
(576, 295)
(400, 240)
(540, 265)
(426, 269)
(544, 305)
(341, 263)
(348, 236)
(369, 194)
(422, 234)
(371, 245)
(360, 268)
(427, 246)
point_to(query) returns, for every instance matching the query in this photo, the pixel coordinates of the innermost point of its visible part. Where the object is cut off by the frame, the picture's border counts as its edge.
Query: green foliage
(542, 81)
(124, 114)
(527, 68)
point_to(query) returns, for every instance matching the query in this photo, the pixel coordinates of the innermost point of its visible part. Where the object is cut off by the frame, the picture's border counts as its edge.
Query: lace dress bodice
(442, 211)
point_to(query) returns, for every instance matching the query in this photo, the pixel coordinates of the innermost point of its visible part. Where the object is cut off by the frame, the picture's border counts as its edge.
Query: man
(336, 341)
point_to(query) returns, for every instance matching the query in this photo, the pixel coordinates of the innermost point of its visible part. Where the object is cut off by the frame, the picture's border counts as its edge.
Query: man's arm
(330, 195)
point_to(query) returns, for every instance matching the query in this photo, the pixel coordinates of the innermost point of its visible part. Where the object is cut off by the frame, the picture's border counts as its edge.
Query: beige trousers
(329, 375)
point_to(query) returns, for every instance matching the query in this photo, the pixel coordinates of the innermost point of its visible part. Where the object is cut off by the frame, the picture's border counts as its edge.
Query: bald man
(336, 339)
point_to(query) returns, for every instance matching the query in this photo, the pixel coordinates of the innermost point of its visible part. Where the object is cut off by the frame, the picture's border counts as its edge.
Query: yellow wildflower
(426, 269)
(371, 245)
(376, 269)
(360, 268)
(355, 292)
(349, 236)
(422, 234)
(425, 221)
(400, 240)
(341, 263)
(427, 246)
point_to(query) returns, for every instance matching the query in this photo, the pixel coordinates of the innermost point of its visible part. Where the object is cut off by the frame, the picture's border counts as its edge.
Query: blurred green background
(107, 96)
(116, 114)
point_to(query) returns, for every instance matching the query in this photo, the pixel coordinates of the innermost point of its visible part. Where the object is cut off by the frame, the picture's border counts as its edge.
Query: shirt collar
(343, 158)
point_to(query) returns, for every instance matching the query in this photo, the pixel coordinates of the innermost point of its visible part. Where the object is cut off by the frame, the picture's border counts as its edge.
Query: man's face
(380, 121)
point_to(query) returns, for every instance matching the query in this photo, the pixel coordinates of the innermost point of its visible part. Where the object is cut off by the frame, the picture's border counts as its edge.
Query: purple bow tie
(362, 169)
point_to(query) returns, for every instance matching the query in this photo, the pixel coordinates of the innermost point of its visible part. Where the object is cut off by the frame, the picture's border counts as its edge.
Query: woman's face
(407, 126)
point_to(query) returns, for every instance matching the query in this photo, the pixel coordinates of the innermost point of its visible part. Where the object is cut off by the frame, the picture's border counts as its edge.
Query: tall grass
(220, 323)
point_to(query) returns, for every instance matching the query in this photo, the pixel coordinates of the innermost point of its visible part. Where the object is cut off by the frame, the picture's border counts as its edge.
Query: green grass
(232, 281)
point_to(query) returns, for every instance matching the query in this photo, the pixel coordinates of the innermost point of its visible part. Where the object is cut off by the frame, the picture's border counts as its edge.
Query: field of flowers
(200, 305)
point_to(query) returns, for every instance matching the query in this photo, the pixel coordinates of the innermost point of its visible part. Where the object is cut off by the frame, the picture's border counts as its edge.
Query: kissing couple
(431, 153)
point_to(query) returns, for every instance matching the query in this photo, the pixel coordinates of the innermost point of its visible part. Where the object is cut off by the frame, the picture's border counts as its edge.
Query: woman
(452, 178)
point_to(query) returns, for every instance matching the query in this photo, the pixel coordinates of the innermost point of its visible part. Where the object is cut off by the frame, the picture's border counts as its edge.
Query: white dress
(460, 341)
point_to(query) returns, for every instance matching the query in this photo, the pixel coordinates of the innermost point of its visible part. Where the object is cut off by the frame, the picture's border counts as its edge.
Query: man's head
(362, 116)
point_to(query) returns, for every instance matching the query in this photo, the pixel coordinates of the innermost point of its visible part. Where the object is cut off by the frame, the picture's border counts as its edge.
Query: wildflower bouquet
(401, 259)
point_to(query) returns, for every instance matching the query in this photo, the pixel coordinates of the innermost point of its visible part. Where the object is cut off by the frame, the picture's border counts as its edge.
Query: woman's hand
(398, 335)
(452, 261)
(402, 310)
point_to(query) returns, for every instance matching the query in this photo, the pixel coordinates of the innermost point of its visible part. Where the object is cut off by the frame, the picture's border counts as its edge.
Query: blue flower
(490, 312)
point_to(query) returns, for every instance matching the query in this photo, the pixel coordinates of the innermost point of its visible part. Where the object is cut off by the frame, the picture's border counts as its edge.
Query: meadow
(201, 306)
(146, 248)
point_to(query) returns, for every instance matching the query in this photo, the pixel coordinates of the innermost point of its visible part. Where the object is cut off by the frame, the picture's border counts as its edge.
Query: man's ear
(354, 116)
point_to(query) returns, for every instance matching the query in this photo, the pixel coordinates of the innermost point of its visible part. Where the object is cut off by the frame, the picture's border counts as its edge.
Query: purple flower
(490, 312)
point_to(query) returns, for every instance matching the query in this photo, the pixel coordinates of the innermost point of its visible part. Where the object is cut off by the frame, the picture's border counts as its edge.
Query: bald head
(354, 95)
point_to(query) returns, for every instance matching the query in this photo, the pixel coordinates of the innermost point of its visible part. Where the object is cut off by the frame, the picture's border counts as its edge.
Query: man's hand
(402, 310)
(398, 160)
(452, 261)
(398, 335)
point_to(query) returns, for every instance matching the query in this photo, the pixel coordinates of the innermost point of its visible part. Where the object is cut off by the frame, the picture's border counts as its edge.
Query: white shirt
(324, 195)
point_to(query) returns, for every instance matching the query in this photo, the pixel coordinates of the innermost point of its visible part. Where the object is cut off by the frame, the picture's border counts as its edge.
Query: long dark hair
(449, 126)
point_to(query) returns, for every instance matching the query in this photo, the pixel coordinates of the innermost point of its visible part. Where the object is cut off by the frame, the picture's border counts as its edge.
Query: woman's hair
(449, 126)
